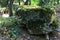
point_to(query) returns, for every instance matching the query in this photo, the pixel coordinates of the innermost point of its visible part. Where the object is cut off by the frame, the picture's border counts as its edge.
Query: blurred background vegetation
(13, 5)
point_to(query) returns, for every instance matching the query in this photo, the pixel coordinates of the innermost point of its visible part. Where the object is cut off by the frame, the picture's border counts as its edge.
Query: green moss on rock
(38, 19)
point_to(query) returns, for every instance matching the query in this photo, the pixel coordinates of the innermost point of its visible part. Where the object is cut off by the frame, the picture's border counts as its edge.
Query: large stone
(37, 19)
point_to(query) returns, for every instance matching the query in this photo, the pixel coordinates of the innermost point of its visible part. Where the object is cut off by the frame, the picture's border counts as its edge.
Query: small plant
(10, 31)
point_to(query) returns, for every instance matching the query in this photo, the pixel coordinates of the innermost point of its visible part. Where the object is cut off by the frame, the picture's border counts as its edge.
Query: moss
(37, 19)
(43, 13)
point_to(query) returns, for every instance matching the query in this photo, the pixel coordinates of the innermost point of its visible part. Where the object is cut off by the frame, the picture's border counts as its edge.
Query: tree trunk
(19, 2)
(58, 1)
(10, 5)
(28, 2)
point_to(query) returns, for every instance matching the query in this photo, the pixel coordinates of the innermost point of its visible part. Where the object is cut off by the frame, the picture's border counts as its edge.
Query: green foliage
(45, 2)
(9, 21)
(34, 2)
(3, 3)
(10, 24)
(55, 24)
(1, 31)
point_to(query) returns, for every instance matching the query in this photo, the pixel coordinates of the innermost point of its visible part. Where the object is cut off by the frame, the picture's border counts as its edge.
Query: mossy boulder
(38, 19)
